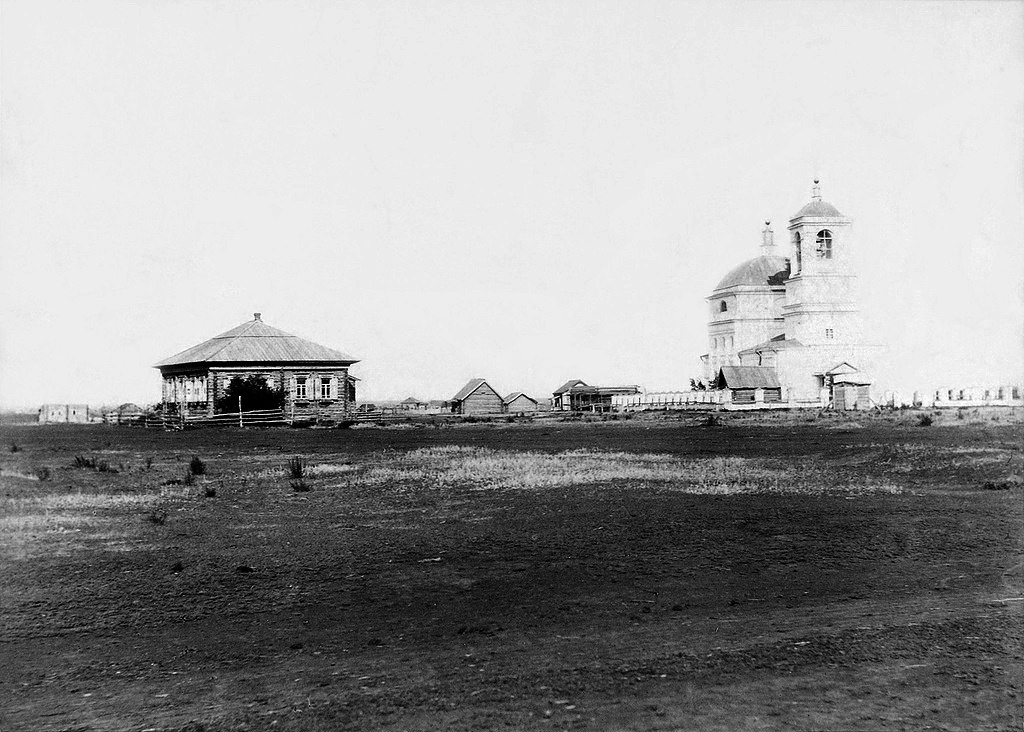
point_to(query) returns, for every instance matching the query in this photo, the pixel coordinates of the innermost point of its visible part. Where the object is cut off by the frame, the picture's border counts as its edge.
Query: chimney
(767, 239)
(256, 316)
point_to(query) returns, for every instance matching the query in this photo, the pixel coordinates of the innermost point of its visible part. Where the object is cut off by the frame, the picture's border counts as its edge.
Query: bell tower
(820, 304)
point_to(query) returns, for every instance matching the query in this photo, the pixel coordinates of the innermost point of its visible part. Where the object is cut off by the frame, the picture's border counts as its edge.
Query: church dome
(818, 208)
(767, 270)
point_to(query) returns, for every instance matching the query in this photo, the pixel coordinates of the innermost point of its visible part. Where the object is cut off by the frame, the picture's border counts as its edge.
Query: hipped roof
(257, 342)
(748, 377)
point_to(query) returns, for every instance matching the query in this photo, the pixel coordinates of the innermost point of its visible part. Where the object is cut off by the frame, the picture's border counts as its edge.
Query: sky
(522, 191)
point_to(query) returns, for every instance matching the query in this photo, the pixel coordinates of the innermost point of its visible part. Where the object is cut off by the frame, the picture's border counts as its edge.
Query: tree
(696, 385)
(255, 394)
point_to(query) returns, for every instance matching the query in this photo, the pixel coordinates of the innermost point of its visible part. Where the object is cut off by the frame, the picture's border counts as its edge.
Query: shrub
(925, 420)
(297, 468)
(190, 478)
(210, 490)
(197, 466)
(712, 420)
(301, 486)
(85, 462)
(149, 462)
(14, 447)
(105, 467)
(43, 474)
(157, 517)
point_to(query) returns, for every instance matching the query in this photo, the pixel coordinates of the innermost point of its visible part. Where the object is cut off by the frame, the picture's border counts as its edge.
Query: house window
(300, 387)
(325, 387)
(829, 333)
(824, 244)
(722, 306)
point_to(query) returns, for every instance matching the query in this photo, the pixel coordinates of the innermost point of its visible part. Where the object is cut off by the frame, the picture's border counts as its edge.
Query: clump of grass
(157, 517)
(81, 461)
(190, 478)
(712, 420)
(925, 420)
(210, 490)
(149, 462)
(301, 486)
(14, 447)
(197, 466)
(105, 467)
(297, 468)
(43, 474)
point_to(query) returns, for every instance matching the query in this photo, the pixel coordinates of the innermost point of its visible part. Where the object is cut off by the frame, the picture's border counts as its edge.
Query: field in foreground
(619, 576)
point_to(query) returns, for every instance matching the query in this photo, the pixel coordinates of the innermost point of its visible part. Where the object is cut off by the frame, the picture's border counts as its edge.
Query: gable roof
(568, 385)
(515, 395)
(747, 377)
(471, 386)
(257, 342)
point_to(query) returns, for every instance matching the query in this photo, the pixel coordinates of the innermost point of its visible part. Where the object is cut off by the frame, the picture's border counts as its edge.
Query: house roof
(471, 386)
(568, 385)
(515, 395)
(768, 270)
(748, 377)
(257, 342)
(778, 343)
(604, 390)
(411, 400)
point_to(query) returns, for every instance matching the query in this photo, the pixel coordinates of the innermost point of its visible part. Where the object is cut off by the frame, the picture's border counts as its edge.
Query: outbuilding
(519, 403)
(477, 397)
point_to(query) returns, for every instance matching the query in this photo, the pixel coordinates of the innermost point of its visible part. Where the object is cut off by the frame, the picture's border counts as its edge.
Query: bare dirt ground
(652, 574)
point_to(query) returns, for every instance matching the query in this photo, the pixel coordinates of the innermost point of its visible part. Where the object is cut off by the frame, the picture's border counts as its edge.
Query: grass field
(662, 574)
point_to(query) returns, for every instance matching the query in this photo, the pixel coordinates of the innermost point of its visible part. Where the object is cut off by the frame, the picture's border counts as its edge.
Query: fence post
(240, 411)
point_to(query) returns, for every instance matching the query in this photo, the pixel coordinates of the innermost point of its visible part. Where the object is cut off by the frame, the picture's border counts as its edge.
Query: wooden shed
(519, 403)
(744, 383)
(477, 397)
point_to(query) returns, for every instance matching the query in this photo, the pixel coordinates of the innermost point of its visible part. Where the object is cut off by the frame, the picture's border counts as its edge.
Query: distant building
(576, 396)
(519, 403)
(795, 316)
(412, 403)
(63, 413)
(314, 378)
(476, 397)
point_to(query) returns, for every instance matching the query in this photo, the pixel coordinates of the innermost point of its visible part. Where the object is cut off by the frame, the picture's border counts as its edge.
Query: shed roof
(748, 377)
(515, 395)
(471, 386)
(257, 342)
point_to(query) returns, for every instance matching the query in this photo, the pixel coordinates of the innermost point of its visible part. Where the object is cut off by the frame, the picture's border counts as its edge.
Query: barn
(519, 403)
(313, 380)
(749, 384)
(477, 397)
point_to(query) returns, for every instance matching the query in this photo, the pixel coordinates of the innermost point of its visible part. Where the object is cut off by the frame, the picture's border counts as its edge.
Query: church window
(722, 306)
(730, 342)
(829, 333)
(796, 248)
(824, 244)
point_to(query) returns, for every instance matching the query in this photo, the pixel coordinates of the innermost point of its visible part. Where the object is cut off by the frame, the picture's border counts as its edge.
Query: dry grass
(487, 469)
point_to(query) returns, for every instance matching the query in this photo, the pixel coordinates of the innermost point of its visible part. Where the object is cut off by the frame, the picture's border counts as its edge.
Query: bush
(157, 517)
(925, 420)
(105, 467)
(149, 463)
(254, 392)
(712, 420)
(210, 490)
(297, 468)
(85, 462)
(301, 486)
(14, 447)
(197, 466)
(190, 478)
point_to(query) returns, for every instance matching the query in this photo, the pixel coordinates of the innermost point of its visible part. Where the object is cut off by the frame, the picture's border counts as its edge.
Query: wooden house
(477, 397)
(314, 379)
(577, 396)
(519, 403)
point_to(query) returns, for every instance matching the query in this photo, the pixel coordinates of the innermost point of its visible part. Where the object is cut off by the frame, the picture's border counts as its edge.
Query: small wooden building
(577, 396)
(519, 403)
(750, 384)
(314, 379)
(63, 413)
(477, 397)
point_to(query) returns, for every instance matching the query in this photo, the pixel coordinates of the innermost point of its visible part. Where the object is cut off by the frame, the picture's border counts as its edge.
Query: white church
(784, 327)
